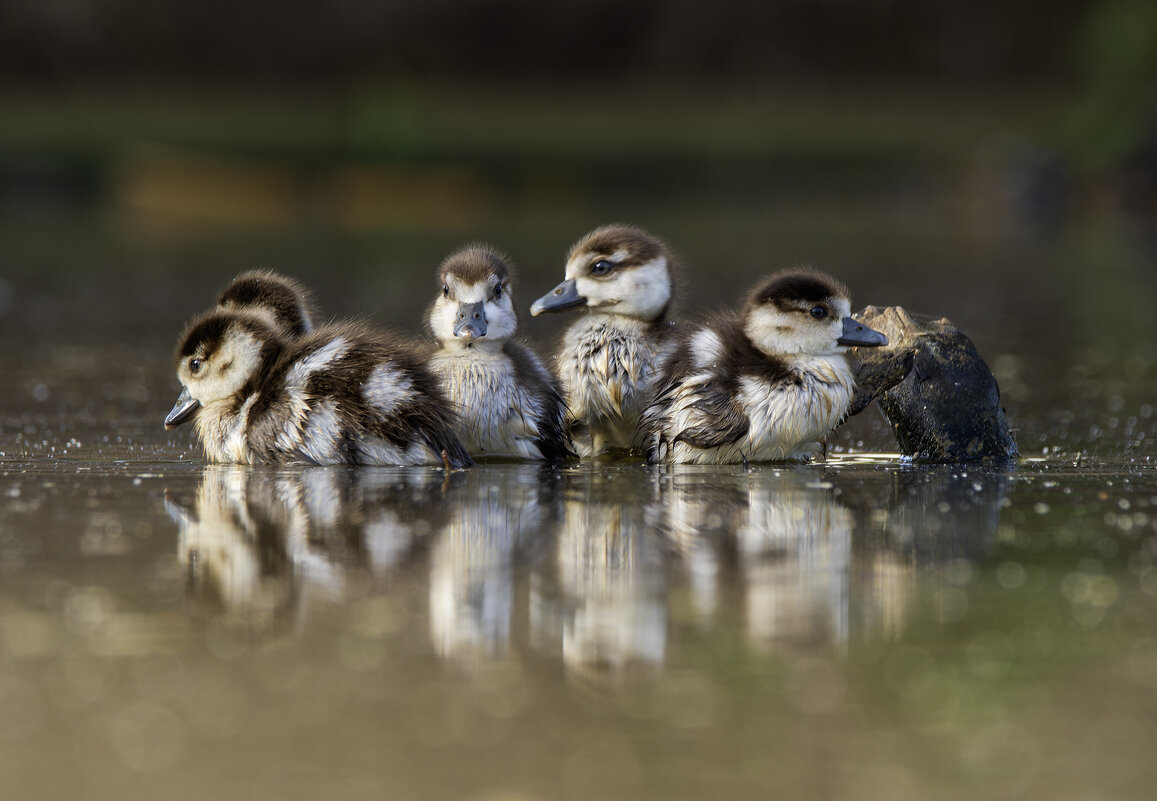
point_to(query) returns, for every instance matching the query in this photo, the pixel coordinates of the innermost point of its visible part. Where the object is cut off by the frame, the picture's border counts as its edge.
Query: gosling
(507, 402)
(766, 384)
(340, 395)
(608, 360)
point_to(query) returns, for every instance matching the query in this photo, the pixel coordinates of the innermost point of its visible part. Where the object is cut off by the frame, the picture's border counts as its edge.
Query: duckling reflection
(605, 605)
(820, 556)
(499, 518)
(259, 543)
(234, 554)
(788, 538)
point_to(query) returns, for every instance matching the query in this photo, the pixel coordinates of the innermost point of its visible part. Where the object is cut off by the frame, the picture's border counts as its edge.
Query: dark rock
(933, 387)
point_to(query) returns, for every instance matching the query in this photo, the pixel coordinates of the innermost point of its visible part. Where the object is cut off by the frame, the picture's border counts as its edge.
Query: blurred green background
(445, 114)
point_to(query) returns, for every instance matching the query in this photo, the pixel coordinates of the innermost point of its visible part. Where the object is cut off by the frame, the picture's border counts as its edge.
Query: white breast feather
(496, 415)
(606, 368)
(224, 434)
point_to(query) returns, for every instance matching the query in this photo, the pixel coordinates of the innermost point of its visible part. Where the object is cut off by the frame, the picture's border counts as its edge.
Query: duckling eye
(195, 365)
(818, 312)
(601, 267)
(445, 290)
(498, 292)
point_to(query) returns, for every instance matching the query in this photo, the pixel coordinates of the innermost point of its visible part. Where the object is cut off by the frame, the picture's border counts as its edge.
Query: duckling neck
(472, 348)
(626, 316)
(222, 428)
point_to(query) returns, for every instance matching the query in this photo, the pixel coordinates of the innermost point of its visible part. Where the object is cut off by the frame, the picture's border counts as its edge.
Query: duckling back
(345, 396)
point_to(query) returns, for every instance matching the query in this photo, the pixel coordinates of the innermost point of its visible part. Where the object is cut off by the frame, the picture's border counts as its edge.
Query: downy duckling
(341, 395)
(284, 301)
(507, 402)
(765, 384)
(608, 359)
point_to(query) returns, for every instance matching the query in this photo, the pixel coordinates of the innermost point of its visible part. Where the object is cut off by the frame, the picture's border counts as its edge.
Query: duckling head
(474, 303)
(219, 357)
(803, 312)
(284, 301)
(615, 269)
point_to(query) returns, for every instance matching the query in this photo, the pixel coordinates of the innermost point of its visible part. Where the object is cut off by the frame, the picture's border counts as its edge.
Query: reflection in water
(783, 540)
(493, 519)
(927, 518)
(606, 608)
(802, 556)
(259, 541)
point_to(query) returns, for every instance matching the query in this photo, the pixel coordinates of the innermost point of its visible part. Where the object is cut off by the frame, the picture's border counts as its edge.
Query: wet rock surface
(936, 391)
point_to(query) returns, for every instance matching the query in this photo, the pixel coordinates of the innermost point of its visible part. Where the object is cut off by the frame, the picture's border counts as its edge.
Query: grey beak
(859, 335)
(471, 321)
(183, 411)
(562, 297)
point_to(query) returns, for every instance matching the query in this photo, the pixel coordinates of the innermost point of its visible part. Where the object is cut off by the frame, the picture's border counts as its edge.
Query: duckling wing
(553, 440)
(693, 407)
(711, 420)
(406, 405)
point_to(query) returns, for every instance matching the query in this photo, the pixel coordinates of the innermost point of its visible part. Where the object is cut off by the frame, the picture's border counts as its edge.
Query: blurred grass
(496, 124)
(476, 157)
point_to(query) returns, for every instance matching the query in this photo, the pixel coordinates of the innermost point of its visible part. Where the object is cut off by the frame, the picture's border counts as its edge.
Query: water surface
(857, 628)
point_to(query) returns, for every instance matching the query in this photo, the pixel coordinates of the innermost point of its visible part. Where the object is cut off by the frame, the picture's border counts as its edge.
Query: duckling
(283, 300)
(508, 405)
(341, 395)
(608, 359)
(765, 384)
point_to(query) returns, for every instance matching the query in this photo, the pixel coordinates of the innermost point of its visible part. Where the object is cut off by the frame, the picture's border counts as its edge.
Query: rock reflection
(926, 520)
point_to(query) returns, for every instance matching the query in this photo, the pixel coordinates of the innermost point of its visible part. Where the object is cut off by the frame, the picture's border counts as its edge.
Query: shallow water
(854, 629)
(861, 628)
